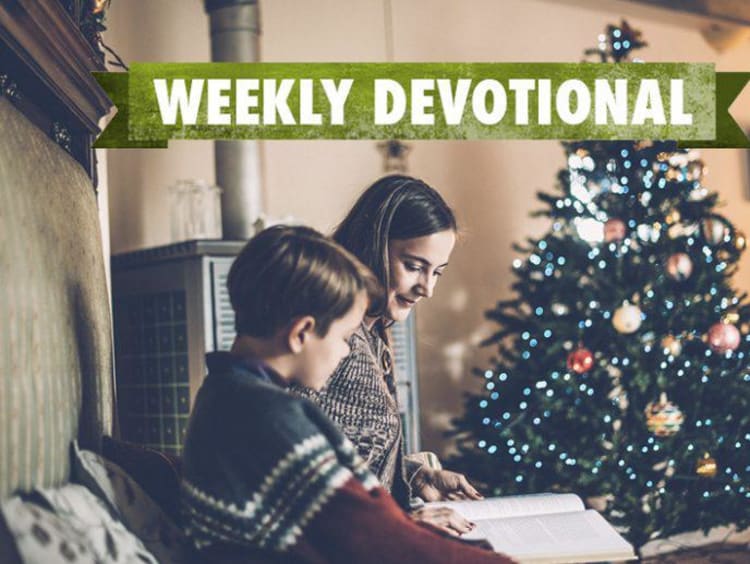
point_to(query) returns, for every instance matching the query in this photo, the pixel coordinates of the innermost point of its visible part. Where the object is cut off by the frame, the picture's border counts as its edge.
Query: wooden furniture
(45, 73)
(55, 338)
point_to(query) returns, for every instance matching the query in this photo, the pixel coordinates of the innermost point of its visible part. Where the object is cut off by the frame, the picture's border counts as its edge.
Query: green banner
(678, 101)
(116, 133)
(729, 133)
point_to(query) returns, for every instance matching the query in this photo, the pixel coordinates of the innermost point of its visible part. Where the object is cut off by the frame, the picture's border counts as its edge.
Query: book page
(559, 537)
(513, 506)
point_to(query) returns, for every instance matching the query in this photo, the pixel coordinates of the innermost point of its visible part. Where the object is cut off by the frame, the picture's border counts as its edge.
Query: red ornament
(723, 337)
(580, 360)
(614, 230)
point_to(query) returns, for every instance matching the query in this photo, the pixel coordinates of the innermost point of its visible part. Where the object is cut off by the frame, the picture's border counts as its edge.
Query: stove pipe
(235, 37)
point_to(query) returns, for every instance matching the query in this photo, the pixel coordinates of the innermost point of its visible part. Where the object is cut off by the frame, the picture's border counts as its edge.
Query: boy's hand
(443, 518)
(442, 485)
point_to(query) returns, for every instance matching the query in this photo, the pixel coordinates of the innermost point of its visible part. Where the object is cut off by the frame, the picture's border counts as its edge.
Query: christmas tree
(621, 370)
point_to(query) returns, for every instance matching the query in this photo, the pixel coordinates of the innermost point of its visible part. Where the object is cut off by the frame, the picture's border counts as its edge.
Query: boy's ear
(300, 333)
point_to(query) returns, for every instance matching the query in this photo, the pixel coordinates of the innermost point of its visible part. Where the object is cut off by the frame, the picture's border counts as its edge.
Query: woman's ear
(300, 333)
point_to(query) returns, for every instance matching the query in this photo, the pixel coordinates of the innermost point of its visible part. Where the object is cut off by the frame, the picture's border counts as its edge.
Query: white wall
(153, 31)
(490, 183)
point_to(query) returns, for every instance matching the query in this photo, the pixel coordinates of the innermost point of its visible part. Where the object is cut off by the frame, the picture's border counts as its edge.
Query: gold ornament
(673, 217)
(671, 345)
(740, 241)
(706, 467)
(627, 318)
(663, 418)
(731, 317)
(640, 145)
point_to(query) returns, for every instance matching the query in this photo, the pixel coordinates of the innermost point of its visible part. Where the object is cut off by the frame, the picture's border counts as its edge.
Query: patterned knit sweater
(267, 478)
(259, 463)
(361, 398)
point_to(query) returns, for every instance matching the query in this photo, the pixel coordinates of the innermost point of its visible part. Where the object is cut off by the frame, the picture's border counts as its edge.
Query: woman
(294, 489)
(403, 230)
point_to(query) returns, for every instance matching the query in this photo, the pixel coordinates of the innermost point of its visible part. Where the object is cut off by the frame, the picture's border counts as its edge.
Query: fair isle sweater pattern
(260, 483)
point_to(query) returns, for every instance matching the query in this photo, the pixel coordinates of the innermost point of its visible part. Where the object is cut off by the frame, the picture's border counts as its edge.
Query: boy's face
(321, 355)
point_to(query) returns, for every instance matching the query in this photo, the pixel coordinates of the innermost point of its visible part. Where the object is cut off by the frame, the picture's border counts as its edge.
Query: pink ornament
(723, 337)
(679, 266)
(614, 230)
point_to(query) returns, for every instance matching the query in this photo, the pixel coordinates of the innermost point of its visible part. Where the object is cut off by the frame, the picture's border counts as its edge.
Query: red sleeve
(368, 527)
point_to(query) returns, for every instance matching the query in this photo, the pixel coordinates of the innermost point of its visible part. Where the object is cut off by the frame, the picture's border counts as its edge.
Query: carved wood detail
(45, 71)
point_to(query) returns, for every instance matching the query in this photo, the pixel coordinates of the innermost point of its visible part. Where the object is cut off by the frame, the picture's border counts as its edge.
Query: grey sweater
(361, 398)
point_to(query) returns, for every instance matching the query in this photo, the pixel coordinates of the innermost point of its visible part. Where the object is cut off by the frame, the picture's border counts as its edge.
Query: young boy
(267, 476)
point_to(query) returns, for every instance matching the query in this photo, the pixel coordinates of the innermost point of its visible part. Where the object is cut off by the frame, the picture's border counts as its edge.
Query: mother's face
(415, 266)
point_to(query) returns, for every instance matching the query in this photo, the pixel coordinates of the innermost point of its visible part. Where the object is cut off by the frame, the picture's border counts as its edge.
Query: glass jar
(195, 210)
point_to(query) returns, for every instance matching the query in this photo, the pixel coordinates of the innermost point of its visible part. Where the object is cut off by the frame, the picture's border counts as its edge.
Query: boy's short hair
(286, 272)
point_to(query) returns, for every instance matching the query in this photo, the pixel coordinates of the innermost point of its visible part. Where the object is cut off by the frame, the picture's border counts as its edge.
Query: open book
(543, 528)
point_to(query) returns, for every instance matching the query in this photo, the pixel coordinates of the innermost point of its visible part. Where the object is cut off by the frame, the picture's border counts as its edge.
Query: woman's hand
(443, 518)
(442, 485)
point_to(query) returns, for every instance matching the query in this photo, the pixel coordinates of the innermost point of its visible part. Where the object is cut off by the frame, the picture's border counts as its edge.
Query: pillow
(78, 529)
(130, 504)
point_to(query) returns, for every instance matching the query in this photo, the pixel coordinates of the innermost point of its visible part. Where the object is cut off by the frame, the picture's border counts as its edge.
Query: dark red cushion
(156, 472)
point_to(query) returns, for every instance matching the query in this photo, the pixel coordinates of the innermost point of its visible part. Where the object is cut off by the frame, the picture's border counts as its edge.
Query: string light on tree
(696, 170)
(638, 302)
(673, 217)
(740, 241)
(590, 230)
(560, 309)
